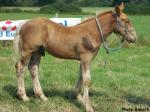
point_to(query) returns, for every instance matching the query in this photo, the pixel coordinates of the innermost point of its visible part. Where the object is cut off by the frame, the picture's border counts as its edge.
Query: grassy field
(95, 9)
(124, 82)
(84, 9)
(18, 16)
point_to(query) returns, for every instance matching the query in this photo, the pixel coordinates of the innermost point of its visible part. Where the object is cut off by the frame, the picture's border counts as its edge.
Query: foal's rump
(33, 35)
(16, 40)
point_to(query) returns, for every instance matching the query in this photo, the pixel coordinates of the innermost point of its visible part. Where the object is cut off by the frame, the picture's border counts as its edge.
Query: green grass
(23, 8)
(84, 9)
(124, 82)
(25, 15)
(95, 9)
(20, 16)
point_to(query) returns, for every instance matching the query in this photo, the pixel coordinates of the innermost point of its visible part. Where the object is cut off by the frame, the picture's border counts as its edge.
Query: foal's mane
(93, 17)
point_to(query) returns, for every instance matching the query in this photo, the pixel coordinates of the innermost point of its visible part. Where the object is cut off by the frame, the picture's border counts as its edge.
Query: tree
(94, 3)
(7, 2)
(45, 2)
(69, 1)
(116, 2)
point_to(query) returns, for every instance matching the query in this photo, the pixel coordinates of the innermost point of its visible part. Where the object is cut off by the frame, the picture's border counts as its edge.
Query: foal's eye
(119, 22)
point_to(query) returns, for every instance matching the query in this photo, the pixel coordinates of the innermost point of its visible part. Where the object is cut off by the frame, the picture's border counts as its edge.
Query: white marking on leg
(86, 84)
(36, 83)
(86, 81)
(20, 81)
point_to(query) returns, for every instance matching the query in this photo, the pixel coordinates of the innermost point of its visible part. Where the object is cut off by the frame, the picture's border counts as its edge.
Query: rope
(108, 50)
(102, 37)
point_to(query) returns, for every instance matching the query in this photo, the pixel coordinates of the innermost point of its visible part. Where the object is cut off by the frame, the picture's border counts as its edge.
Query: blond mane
(87, 19)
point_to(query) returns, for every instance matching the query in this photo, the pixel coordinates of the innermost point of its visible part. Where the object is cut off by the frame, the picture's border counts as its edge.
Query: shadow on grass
(67, 95)
(137, 100)
(70, 96)
(12, 90)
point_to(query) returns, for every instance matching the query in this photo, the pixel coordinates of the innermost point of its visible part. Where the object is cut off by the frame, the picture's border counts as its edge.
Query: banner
(8, 28)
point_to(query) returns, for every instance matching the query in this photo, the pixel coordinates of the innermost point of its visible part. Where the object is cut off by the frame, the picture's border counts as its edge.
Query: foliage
(69, 6)
(10, 10)
(60, 7)
(96, 3)
(7, 2)
(45, 2)
(135, 6)
(116, 2)
(16, 10)
(19, 3)
(139, 8)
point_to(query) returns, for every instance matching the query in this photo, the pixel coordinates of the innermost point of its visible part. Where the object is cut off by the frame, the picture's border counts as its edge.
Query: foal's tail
(17, 39)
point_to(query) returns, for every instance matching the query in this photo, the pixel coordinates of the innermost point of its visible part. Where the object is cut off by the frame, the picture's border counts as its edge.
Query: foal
(80, 42)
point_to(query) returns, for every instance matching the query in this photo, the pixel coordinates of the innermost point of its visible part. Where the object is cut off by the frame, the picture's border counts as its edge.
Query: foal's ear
(119, 8)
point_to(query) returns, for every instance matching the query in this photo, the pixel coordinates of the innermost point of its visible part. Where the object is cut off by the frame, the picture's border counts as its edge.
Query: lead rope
(107, 54)
(102, 36)
(108, 50)
(104, 43)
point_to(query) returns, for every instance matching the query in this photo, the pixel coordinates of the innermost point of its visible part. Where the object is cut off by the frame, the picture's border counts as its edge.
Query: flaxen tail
(16, 41)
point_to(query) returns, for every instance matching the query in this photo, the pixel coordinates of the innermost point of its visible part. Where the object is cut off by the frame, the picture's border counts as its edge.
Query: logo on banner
(7, 29)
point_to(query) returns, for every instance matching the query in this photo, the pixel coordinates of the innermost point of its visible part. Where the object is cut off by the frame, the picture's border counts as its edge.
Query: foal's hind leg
(33, 68)
(20, 68)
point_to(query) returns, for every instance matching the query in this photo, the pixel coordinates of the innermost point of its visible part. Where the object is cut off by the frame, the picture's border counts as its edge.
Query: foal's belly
(61, 51)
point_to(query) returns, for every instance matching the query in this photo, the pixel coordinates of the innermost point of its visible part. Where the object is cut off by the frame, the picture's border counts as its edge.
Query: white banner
(8, 28)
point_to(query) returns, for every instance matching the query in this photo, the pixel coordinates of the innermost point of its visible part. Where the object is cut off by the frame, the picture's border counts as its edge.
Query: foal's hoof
(25, 98)
(90, 110)
(80, 98)
(44, 98)
(41, 96)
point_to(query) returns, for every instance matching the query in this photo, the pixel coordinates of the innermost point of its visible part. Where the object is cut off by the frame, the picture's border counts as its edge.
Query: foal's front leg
(79, 84)
(85, 65)
(33, 68)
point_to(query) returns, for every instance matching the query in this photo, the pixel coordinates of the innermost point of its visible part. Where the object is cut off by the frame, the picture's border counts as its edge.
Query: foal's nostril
(131, 40)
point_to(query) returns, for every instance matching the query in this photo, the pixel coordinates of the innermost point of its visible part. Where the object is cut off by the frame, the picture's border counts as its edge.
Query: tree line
(71, 6)
(91, 3)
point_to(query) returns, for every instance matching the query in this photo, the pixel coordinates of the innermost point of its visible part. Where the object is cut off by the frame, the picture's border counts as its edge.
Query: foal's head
(123, 25)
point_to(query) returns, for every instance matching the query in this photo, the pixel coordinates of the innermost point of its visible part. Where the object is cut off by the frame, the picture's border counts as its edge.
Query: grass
(20, 16)
(27, 15)
(124, 82)
(23, 8)
(95, 9)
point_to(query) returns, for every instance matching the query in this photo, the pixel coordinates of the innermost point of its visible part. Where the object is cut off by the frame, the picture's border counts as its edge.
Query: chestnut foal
(80, 42)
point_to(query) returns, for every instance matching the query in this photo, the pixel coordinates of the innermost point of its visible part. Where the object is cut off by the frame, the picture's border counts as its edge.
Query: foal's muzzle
(131, 40)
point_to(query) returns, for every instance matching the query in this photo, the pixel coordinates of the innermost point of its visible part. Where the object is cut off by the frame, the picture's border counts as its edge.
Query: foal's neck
(106, 22)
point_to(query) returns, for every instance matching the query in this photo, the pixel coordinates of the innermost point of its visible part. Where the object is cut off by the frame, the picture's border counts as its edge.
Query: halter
(105, 45)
